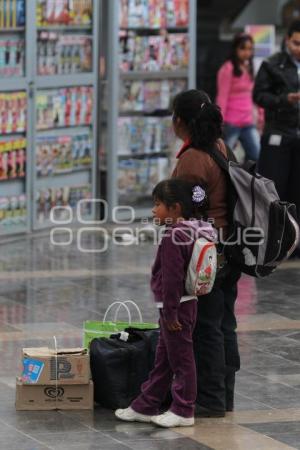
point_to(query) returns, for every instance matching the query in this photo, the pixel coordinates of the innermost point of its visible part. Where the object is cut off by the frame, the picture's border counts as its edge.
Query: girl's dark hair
(201, 117)
(239, 41)
(174, 191)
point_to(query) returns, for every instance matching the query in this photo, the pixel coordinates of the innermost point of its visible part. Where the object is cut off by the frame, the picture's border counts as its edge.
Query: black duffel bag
(119, 368)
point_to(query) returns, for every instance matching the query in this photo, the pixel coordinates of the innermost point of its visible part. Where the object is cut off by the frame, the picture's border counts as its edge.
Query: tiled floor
(46, 291)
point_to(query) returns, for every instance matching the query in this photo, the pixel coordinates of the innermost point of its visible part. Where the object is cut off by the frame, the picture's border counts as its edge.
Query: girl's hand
(174, 326)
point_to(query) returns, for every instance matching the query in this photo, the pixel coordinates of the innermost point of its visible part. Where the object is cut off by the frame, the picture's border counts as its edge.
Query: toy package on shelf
(64, 107)
(11, 56)
(143, 135)
(63, 154)
(137, 177)
(153, 53)
(13, 210)
(64, 12)
(149, 96)
(12, 159)
(48, 198)
(153, 13)
(12, 14)
(64, 54)
(13, 112)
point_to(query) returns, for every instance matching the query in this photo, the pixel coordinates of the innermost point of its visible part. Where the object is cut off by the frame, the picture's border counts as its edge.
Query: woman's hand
(174, 326)
(293, 97)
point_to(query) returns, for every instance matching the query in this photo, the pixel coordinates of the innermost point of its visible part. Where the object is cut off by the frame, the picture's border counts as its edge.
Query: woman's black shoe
(201, 411)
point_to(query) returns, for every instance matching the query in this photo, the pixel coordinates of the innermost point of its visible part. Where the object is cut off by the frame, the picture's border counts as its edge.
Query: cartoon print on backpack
(202, 269)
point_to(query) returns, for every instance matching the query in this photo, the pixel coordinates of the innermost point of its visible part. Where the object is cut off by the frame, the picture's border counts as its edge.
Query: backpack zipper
(294, 246)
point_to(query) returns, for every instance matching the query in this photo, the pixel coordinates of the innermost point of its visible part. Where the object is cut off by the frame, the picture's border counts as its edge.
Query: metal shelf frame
(136, 76)
(13, 187)
(115, 76)
(31, 83)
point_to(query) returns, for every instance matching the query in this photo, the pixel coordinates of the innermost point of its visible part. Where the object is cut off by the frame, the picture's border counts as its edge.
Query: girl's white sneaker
(129, 415)
(171, 420)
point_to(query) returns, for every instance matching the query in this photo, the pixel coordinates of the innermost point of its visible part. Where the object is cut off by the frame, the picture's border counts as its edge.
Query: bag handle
(130, 302)
(123, 305)
(120, 304)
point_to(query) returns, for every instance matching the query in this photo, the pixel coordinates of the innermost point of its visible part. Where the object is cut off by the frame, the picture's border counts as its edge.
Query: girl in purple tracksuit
(176, 202)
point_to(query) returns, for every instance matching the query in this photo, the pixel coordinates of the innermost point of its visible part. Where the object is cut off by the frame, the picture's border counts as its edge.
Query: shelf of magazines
(12, 39)
(156, 60)
(66, 84)
(64, 36)
(64, 154)
(13, 118)
(63, 195)
(48, 92)
(144, 153)
(13, 162)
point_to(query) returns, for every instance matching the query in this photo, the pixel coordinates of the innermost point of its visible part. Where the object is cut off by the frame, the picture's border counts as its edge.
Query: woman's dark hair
(239, 41)
(293, 28)
(175, 190)
(202, 118)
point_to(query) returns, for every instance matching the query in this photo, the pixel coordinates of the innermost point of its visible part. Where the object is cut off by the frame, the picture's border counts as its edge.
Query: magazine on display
(64, 54)
(153, 53)
(48, 198)
(137, 178)
(12, 14)
(13, 111)
(63, 154)
(12, 159)
(64, 107)
(149, 96)
(153, 13)
(11, 56)
(13, 210)
(142, 135)
(64, 12)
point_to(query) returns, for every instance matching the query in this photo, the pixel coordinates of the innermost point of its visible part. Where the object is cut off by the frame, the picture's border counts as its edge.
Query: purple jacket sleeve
(173, 275)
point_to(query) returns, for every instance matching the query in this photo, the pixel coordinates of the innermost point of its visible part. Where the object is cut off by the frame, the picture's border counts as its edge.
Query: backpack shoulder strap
(220, 159)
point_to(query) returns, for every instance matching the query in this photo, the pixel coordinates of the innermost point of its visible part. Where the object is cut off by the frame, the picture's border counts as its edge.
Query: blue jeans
(248, 136)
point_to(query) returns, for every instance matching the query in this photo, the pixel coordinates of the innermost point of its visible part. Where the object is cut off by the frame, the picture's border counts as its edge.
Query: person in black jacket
(277, 90)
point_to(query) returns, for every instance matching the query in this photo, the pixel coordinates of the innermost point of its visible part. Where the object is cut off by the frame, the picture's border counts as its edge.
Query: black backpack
(263, 230)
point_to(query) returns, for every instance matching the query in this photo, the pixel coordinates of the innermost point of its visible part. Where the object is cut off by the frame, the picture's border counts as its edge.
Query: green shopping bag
(93, 329)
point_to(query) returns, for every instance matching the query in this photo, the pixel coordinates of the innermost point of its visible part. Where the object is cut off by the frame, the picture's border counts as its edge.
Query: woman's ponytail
(202, 118)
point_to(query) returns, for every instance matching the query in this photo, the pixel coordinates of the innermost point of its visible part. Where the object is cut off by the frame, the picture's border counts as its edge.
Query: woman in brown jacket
(198, 123)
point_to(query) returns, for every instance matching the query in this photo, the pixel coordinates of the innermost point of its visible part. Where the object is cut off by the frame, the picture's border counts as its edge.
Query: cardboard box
(65, 397)
(43, 366)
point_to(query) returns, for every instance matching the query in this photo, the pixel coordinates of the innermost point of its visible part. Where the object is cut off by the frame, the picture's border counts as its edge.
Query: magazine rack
(148, 63)
(57, 79)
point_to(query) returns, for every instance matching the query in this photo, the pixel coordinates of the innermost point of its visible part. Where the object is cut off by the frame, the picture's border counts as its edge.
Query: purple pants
(174, 368)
